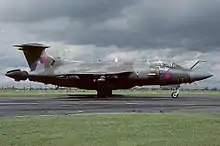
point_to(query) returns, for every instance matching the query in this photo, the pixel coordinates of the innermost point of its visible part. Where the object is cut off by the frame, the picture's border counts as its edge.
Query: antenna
(196, 64)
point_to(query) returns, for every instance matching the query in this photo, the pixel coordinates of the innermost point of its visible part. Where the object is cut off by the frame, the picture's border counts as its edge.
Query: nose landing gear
(175, 94)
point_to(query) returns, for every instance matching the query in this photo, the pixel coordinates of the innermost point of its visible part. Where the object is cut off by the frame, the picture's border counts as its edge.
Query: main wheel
(109, 93)
(175, 95)
(101, 94)
(104, 93)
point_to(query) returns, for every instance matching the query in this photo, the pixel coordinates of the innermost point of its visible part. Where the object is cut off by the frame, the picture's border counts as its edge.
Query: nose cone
(199, 76)
(17, 74)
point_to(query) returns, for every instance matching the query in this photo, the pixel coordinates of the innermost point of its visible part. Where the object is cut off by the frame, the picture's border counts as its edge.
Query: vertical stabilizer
(35, 54)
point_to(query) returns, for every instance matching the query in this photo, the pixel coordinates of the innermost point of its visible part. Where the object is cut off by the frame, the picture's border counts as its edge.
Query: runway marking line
(12, 103)
(130, 103)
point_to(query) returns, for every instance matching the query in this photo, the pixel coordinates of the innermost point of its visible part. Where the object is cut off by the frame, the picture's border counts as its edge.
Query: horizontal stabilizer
(31, 45)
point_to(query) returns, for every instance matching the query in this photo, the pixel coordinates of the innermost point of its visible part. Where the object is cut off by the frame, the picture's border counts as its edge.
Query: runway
(75, 104)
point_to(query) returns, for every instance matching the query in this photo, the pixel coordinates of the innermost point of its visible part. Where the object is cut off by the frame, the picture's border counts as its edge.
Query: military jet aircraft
(100, 76)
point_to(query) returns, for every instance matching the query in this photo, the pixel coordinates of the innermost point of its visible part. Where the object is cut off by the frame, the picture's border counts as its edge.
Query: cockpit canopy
(174, 65)
(165, 64)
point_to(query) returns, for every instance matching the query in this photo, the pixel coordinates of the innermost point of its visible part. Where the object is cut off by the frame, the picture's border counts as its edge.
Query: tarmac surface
(78, 104)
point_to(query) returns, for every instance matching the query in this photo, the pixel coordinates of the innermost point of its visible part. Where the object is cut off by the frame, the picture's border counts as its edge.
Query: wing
(81, 68)
(96, 72)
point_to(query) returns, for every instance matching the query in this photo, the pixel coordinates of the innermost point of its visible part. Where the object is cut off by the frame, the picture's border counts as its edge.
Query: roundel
(43, 59)
(166, 75)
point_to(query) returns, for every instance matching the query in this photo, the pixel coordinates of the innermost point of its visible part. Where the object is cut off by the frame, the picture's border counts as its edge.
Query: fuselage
(113, 81)
(100, 76)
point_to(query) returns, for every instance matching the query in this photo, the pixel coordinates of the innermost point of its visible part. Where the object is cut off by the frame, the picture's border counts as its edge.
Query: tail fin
(35, 54)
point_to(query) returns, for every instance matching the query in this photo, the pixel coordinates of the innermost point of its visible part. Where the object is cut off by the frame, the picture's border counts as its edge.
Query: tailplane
(35, 55)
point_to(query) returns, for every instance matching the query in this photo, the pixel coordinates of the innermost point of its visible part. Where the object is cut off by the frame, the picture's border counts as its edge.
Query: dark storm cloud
(38, 10)
(189, 24)
(12, 61)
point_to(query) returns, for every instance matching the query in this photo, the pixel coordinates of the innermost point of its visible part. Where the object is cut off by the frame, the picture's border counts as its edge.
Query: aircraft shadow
(113, 97)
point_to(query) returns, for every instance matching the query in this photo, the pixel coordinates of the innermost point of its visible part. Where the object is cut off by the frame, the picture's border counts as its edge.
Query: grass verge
(109, 130)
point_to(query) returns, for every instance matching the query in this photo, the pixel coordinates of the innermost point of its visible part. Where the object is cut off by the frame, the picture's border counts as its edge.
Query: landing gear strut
(175, 94)
(109, 93)
(104, 93)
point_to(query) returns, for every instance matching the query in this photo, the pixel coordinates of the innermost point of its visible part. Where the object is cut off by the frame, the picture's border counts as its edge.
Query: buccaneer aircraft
(100, 76)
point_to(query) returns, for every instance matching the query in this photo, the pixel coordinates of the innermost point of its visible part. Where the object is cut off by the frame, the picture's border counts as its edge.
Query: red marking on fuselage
(43, 59)
(167, 76)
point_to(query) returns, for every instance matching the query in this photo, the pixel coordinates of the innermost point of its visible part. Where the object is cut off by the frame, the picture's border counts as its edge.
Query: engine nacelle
(17, 75)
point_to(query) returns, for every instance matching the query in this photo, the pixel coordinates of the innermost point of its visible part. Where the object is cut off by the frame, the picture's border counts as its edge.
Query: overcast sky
(180, 31)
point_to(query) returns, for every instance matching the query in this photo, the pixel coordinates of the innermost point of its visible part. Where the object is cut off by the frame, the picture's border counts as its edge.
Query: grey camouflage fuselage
(101, 76)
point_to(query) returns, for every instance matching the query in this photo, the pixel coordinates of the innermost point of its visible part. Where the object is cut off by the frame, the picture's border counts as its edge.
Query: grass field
(111, 130)
(17, 93)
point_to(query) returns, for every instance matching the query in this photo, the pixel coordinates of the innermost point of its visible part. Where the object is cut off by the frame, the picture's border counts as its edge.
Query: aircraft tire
(101, 94)
(175, 95)
(104, 93)
(109, 93)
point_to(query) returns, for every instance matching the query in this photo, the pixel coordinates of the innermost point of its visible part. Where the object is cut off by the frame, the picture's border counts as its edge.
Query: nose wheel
(175, 94)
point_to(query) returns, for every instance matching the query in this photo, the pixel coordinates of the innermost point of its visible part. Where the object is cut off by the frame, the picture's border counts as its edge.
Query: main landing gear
(175, 94)
(104, 93)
